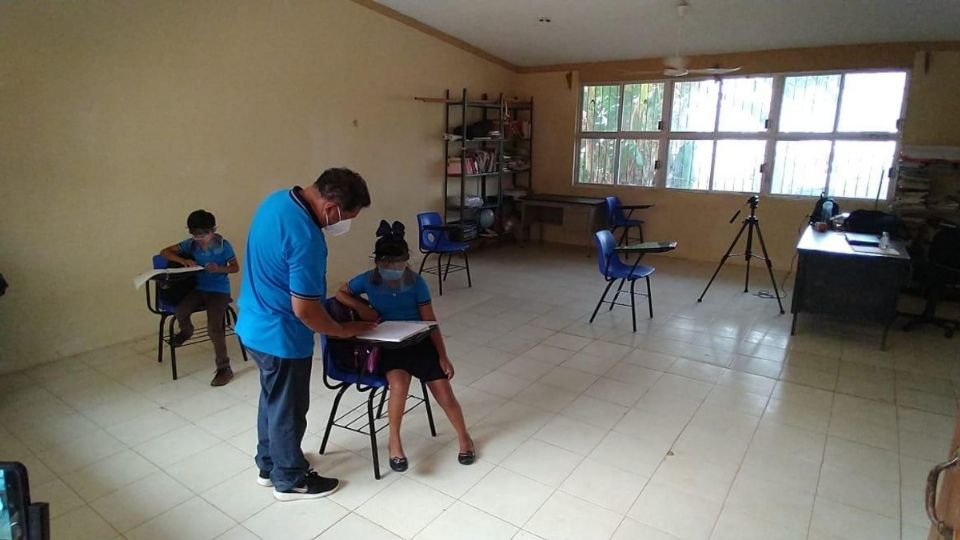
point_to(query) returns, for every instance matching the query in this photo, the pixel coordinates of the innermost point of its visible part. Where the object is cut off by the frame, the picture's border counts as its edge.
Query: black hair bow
(390, 232)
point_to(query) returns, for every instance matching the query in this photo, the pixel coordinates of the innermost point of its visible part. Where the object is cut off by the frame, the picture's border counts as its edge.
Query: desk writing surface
(648, 247)
(835, 243)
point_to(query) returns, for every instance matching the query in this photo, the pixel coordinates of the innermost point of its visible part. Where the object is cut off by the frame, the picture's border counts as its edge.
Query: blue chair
(435, 239)
(620, 220)
(166, 311)
(357, 420)
(614, 269)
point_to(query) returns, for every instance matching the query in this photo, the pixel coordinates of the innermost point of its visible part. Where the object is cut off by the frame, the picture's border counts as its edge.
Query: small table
(834, 279)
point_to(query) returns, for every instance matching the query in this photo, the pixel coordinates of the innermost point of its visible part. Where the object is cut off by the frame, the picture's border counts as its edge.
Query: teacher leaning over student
(281, 307)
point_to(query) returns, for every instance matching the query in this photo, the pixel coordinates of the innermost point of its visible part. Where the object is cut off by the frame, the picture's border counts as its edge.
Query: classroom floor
(710, 422)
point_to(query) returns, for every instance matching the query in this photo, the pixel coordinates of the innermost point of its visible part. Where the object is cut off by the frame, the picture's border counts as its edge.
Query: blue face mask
(390, 274)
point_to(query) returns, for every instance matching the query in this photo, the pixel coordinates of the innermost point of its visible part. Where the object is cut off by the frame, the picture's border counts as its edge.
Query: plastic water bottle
(884, 240)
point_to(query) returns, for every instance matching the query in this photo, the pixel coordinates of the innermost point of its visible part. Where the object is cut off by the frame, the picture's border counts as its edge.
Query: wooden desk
(833, 279)
(575, 214)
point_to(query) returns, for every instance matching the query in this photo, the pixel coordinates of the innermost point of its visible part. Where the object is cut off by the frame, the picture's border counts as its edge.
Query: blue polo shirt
(393, 303)
(219, 251)
(286, 256)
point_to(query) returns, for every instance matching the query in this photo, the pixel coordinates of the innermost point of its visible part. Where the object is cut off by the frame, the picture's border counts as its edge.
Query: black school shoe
(467, 458)
(311, 486)
(399, 464)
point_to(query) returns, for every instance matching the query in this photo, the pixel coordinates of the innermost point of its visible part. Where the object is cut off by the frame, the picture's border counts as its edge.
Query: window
(783, 135)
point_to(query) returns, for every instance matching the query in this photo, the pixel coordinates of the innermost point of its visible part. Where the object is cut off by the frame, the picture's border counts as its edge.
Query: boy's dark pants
(216, 304)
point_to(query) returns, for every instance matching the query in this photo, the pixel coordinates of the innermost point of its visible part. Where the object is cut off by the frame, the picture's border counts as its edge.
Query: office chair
(942, 270)
(166, 308)
(435, 239)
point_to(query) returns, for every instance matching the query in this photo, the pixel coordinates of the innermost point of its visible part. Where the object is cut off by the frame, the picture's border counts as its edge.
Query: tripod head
(753, 201)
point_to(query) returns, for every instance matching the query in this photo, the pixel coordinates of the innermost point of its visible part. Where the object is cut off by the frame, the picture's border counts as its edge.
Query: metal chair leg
(625, 237)
(466, 264)
(447, 271)
(640, 232)
(163, 319)
(440, 272)
(423, 261)
(617, 296)
(372, 428)
(602, 297)
(633, 304)
(383, 398)
(173, 349)
(649, 298)
(333, 414)
(426, 403)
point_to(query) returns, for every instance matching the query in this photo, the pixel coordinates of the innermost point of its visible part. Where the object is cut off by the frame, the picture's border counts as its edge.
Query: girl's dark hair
(390, 242)
(201, 220)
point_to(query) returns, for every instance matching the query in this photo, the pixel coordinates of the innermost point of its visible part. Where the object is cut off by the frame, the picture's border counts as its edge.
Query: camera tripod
(750, 224)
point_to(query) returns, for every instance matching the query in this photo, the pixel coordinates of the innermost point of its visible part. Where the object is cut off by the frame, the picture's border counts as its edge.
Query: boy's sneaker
(311, 486)
(264, 479)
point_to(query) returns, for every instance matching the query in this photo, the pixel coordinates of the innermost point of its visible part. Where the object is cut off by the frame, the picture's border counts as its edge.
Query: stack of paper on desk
(145, 277)
(395, 331)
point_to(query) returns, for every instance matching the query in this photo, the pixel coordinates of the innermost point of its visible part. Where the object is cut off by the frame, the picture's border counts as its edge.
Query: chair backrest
(429, 238)
(605, 249)
(160, 262)
(945, 248)
(614, 213)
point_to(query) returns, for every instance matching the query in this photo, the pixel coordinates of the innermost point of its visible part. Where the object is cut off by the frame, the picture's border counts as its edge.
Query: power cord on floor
(765, 293)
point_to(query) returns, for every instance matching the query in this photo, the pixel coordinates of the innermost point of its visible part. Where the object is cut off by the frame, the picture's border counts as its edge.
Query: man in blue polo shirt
(281, 307)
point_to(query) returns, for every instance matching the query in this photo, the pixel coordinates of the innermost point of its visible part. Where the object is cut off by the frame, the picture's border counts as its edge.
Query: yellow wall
(698, 221)
(119, 118)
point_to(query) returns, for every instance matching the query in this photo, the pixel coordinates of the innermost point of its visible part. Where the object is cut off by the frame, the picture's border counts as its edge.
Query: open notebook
(396, 331)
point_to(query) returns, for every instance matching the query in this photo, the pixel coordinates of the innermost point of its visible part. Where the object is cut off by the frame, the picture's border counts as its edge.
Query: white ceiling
(597, 30)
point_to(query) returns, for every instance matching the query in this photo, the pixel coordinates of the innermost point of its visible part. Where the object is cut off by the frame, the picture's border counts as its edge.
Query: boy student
(392, 291)
(208, 249)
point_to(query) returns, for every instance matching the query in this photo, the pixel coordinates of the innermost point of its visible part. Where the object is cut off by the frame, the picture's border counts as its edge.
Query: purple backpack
(350, 355)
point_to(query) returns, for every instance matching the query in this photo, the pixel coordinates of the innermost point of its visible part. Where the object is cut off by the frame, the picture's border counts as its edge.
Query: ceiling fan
(676, 65)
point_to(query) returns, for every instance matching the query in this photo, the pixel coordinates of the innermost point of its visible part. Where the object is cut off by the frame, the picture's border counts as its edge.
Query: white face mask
(338, 228)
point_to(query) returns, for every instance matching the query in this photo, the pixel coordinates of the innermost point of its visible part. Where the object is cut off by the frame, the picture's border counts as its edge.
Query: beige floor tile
(565, 517)
(682, 514)
(295, 520)
(604, 485)
(204, 521)
(507, 495)
(466, 522)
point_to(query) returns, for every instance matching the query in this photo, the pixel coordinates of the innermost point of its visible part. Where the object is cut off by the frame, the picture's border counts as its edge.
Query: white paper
(145, 277)
(875, 250)
(395, 331)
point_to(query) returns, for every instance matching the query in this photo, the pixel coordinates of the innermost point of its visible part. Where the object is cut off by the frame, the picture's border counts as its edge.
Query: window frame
(771, 135)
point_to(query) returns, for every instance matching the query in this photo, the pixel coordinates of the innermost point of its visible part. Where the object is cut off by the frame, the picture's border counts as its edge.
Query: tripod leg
(766, 258)
(748, 254)
(723, 260)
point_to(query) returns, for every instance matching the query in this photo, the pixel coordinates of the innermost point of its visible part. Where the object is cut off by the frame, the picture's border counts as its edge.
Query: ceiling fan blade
(629, 72)
(714, 71)
(675, 72)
